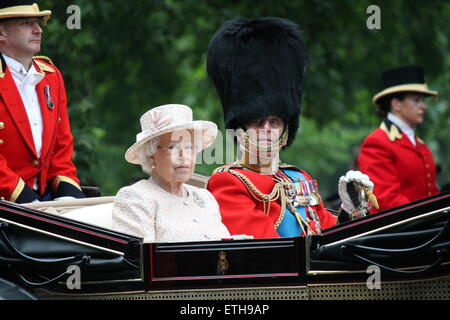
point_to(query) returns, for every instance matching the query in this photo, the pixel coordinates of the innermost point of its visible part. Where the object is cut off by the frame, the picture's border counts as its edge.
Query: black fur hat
(258, 66)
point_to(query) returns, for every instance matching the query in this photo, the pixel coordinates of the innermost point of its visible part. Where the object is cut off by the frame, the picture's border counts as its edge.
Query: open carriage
(67, 250)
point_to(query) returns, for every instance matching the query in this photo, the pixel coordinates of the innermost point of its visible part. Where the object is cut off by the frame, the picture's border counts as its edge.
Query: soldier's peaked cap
(10, 9)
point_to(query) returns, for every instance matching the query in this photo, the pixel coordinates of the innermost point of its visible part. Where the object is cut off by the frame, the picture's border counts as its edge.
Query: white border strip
(391, 225)
(62, 237)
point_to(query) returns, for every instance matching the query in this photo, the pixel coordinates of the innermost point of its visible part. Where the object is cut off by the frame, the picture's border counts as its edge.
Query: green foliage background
(130, 56)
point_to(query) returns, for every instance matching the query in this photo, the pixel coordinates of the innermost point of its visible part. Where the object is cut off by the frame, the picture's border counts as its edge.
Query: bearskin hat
(258, 66)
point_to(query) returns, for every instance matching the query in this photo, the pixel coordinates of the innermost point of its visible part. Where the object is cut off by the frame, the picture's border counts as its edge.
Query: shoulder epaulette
(43, 66)
(391, 130)
(283, 165)
(227, 167)
(45, 58)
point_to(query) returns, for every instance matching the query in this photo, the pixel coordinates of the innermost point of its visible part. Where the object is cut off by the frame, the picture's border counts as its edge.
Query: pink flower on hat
(169, 118)
(158, 120)
(153, 121)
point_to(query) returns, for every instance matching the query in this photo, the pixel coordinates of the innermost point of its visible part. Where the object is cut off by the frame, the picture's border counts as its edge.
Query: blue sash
(289, 226)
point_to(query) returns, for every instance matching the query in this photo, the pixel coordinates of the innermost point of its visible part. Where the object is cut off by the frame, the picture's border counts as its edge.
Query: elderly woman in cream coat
(164, 208)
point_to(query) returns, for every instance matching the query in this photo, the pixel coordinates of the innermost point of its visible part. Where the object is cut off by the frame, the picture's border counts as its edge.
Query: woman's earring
(152, 164)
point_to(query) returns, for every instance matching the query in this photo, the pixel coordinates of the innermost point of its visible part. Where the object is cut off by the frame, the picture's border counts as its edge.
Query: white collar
(18, 67)
(404, 127)
(19, 71)
(400, 123)
(15, 65)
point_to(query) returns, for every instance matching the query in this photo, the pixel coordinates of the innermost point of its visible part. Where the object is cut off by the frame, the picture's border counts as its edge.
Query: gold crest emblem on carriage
(222, 264)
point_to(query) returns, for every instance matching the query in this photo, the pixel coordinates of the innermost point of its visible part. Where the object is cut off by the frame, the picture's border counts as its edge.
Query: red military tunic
(400, 171)
(19, 164)
(243, 214)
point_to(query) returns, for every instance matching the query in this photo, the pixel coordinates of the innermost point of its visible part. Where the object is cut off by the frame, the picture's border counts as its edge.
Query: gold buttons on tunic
(2, 125)
(2, 141)
(35, 163)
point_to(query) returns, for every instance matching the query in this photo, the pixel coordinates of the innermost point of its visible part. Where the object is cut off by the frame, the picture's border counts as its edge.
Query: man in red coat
(399, 163)
(257, 66)
(36, 144)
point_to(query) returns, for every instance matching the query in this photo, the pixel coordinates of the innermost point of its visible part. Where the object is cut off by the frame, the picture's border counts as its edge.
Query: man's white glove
(360, 179)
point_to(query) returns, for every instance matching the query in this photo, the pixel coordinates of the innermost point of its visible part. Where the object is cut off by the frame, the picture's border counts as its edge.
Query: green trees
(130, 56)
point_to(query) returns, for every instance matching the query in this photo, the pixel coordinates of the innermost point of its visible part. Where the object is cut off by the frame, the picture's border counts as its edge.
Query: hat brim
(207, 130)
(414, 87)
(26, 11)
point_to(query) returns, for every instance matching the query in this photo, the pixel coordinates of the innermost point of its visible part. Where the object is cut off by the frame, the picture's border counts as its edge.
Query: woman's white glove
(360, 179)
(241, 237)
(64, 198)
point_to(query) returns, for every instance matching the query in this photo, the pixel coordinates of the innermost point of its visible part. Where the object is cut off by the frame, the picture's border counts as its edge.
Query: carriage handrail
(70, 203)
(17, 253)
(360, 248)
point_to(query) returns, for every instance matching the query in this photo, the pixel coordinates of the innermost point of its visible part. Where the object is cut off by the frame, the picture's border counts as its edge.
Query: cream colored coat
(146, 210)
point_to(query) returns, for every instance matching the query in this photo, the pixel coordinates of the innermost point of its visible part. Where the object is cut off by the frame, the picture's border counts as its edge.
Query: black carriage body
(412, 238)
(224, 263)
(37, 249)
(408, 242)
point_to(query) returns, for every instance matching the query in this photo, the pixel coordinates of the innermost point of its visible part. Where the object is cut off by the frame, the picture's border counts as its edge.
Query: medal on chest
(300, 192)
(48, 97)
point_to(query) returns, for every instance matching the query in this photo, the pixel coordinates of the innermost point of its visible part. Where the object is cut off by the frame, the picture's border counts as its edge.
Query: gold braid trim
(226, 168)
(43, 67)
(277, 192)
(44, 58)
(18, 190)
(392, 133)
(58, 179)
(300, 220)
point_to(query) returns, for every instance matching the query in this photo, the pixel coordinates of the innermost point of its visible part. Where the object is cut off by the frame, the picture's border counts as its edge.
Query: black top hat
(403, 79)
(257, 66)
(22, 9)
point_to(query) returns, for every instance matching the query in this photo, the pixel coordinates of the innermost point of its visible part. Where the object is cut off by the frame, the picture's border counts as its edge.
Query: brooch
(198, 200)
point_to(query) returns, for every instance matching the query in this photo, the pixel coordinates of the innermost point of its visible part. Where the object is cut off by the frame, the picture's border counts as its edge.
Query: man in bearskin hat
(258, 66)
(36, 144)
(399, 163)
